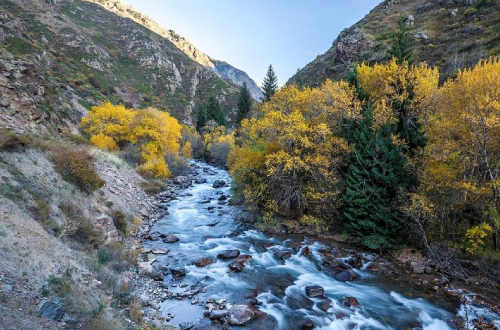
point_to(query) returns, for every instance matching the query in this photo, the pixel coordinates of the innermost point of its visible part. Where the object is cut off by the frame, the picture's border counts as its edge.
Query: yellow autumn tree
(156, 133)
(464, 151)
(108, 125)
(397, 87)
(287, 160)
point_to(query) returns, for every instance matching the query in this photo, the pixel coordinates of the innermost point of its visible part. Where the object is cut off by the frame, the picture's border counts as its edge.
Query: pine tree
(201, 121)
(375, 178)
(214, 111)
(270, 84)
(244, 103)
(402, 45)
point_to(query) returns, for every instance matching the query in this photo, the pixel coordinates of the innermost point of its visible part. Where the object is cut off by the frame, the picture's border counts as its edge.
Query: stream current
(279, 271)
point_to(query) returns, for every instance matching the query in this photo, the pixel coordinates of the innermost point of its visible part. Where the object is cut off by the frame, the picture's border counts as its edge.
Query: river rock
(236, 266)
(200, 180)
(285, 254)
(52, 310)
(186, 325)
(222, 198)
(350, 302)
(160, 251)
(356, 262)
(217, 314)
(313, 291)
(345, 275)
(306, 251)
(204, 327)
(219, 184)
(203, 262)
(178, 272)
(228, 254)
(243, 258)
(182, 181)
(308, 325)
(240, 315)
(418, 269)
(171, 238)
(144, 268)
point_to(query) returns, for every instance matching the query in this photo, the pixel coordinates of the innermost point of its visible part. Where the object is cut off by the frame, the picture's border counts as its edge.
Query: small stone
(240, 315)
(350, 302)
(203, 262)
(308, 325)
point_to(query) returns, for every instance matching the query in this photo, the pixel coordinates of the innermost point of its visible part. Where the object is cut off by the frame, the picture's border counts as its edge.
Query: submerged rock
(200, 180)
(308, 325)
(240, 315)
(345, 275)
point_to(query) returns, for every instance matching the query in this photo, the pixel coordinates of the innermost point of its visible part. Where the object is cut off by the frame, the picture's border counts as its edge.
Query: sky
(251, 34)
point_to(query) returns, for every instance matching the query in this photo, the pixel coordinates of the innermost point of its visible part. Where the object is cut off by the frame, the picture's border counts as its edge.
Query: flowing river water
(281, 267)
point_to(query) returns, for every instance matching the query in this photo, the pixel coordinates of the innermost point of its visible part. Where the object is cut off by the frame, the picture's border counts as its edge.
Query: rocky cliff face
(60, 57)
(450, 34)
(239, 77)
(224, 69)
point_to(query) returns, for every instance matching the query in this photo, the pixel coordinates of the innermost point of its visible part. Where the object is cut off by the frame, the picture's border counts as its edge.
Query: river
(280, 268)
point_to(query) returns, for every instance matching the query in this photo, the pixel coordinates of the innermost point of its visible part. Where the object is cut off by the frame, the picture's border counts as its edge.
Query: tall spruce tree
(244, 103)
(201, 121)
(270, 84)
(375, 177)
(402, 44)
(214, 111)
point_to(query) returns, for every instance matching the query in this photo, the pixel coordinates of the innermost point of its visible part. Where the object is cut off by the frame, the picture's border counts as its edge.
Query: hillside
(224, 69)
(59, 58)
(449, 34)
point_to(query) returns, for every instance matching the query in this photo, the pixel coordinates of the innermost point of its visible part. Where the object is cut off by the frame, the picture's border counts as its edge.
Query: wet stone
(203, 262)
(350, 302)
(308, 325)
(313, 291)
(240, 315)
(171, 238)
(219, 184)
(228, 254)
(345, 275)
(178, 272)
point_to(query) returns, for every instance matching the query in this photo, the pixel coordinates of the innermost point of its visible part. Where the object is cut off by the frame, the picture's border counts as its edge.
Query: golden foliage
(289, 156)
(392, 82)
(475, 237)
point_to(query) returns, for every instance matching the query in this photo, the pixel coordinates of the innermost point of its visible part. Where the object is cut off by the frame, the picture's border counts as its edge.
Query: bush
(77, 166)
(9, 139)
(177, 165)
(119, 220)
(153, 187)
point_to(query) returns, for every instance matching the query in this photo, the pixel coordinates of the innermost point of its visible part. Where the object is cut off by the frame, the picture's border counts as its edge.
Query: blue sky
(251, 34)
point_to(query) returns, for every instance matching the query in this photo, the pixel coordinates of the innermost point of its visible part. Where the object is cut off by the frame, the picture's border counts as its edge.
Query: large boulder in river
(228, 254)
(314, 291)
(182, 181)
(219, 184)
(240, 315)
(171, 238)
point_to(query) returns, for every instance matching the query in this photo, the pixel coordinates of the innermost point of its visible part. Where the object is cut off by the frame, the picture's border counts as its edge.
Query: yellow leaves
(155, 132)
(475, 237)
(391, 83)
(155, 167)
(187, 150)
(104, 142)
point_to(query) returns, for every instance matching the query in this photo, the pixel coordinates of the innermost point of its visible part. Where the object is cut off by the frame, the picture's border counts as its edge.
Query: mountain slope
(224, 69)
(57, 58)
(450, 34)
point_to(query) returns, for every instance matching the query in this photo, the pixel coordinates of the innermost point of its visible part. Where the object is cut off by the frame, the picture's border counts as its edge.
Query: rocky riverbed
(203, 268)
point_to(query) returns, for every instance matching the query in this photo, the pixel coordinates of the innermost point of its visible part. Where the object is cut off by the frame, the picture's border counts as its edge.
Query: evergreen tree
(402, 44)
(244, 103)
(270, 84)
(375, 178)
(201, 121)
(214, 111)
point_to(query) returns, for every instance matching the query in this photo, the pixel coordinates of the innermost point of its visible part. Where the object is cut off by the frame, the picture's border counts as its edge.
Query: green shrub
(153, 187)
(77, 166)
(119, 220)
